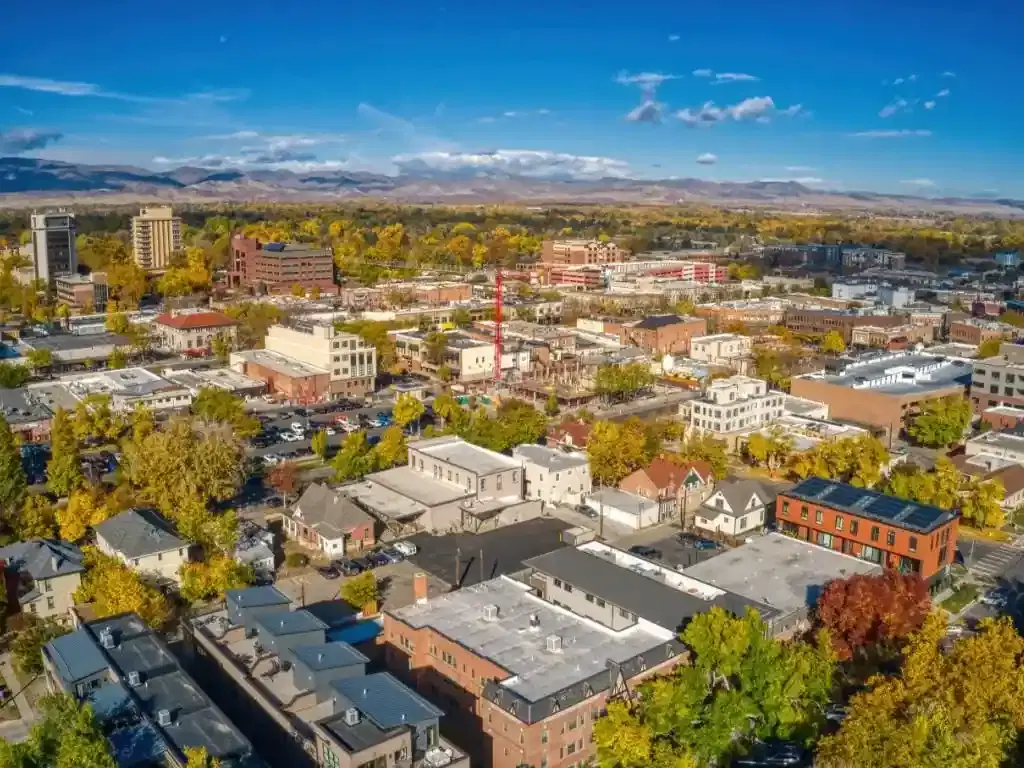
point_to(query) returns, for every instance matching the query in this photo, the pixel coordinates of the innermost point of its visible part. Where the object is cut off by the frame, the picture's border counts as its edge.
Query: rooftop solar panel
(871, 504)
(274, 247)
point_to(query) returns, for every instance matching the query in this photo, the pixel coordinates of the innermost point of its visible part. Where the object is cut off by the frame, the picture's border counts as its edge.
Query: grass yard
(961, 598)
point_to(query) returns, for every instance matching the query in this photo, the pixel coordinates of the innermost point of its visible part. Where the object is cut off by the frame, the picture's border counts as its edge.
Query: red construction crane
(497, 326)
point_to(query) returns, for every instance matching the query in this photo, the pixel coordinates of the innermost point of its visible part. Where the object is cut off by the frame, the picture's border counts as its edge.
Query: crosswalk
(998, 561)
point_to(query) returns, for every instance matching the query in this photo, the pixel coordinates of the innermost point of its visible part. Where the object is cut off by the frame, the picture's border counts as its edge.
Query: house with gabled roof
(676, 487)
(735, 508)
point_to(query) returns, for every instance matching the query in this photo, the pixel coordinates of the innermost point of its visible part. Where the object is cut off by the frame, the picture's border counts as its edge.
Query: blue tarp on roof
(353, 634)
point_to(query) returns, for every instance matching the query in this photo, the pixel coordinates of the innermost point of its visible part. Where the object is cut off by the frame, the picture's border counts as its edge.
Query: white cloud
(947, 73)
(299, 162)
(734, 77)
(760, 109)
(516, 162)
(72, 88)
(542, 112)
(46, 85)
(510, 113)
(646, 80)
(922, 183)
(929, 105)
(891, 134)
(233, 136)
(25, 140)
(487, 119)
(703, 73)
(648, 112)
(707, 159)
(799, 168)
(943, 93)
(898, 81)
(891, 109)
(912, 79)
(673, 38)
(24, 111)
(223, 39)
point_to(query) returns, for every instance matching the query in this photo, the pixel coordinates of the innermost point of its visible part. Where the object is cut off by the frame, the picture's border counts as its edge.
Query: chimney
(419, 587)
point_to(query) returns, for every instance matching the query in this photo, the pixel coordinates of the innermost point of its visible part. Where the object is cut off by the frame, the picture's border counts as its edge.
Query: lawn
(961, 598)
(991, 534)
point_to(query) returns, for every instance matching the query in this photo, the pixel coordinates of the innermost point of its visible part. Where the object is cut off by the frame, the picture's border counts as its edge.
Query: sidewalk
(20, 701)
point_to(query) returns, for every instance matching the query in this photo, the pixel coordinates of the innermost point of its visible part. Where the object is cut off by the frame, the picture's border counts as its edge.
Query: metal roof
(280, 623)
(327, 656)
(256, 597)
(872, 505)
(384, 700)
(75, 656)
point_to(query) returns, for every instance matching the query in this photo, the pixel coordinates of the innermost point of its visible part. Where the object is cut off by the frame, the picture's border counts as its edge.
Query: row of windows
(840, 522)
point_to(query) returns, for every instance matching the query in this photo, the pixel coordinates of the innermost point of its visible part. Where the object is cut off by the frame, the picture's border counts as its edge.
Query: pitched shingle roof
(138, 533)
(194, 320)
(43, 558)
(737, 493)
(329, 513)
(658, 321)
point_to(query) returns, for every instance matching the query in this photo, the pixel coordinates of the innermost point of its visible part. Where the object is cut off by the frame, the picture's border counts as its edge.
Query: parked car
(362, 563)
(705, 544)
(331, 431)
(644, 551)
(407, 548)
(329, 572)
(377, 559)
(347, 567)
(393, 554)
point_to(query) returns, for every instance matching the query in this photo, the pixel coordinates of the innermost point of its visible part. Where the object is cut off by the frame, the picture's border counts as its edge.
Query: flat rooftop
(418, 487)
(70, 346)
(779, 571)
(288, 366)
(455, 450)
(221, 378)
(550, 458)
(902, 374)
(1003, 440)
(519, 648)
(131, 382)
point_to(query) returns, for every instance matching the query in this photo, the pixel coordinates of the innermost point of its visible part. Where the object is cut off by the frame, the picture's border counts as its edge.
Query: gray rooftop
(649, 598)
(551, 459)
(785, 573)
(327, 656)
(456, 451)
(737, 493)
(418, 486)
(23, 406)
(512, 644)
(384, 700)
(387, 503)
(75, 656)
(138, 533)
(621, 500)
(256, 597)
(281, 623)
(67, 344)
(43, 558)
(331, 513)
(946, 373)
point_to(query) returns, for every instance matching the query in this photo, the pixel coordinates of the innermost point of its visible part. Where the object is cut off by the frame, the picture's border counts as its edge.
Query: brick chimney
(419, 587)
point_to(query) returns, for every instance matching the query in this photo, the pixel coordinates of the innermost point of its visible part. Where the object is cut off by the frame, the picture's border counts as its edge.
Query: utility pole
(481, 565)
(458, 561)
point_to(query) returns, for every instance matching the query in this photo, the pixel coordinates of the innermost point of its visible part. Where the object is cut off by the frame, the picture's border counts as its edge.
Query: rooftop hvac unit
(107, 638)
(351, 716)
(163, 718)
(134, 679)
(491, 612)
(554, 643)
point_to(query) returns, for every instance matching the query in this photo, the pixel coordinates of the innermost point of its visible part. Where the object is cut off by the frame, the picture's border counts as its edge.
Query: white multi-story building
(352, 362)
(553, 476)
(736, 403)
(53, 244)
(728, 349)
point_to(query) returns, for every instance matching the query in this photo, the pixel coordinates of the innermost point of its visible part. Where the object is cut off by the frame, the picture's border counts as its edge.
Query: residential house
(329, 521)
(144, 541)
(41, 577)
(734, 509)
(255, 548)
(661, 334)
(1012, 480)
(554, 476)
(678, 488)
(570, 434)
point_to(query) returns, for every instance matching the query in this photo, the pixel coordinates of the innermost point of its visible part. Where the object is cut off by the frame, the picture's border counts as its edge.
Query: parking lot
(466, 558)
(675, 551)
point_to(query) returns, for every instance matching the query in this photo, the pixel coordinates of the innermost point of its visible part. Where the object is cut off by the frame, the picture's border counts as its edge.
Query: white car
(291, 437)
(407, 548)
(298, 426)
(271, 459)
(331, 431)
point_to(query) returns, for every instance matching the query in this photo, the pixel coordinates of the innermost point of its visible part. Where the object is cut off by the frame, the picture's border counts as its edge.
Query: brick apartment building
(824, 320)
(897, 336)
(397, 295)
(695, 271)
(660, 334)
(895, 533)
(999, 380)
(761, 312)
(581, 252)
(579, 277)
(972, 331)
(879, 389)
(278, 267)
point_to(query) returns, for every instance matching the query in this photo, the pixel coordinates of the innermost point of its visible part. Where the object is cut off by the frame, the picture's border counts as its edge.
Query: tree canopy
(940, 421)
(112, 588)
(216, 405)
(855, 460)
(65, 734)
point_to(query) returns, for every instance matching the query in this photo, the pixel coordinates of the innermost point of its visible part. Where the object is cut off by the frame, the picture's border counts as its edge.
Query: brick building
(193, 330)
(895, 533)
(660, 334)
(585, 277)
(397, 295)
(891, 337)
(824, 320)
(977, 332)
(581, 252)
(277, 267)
(879, 389)
(747, 312)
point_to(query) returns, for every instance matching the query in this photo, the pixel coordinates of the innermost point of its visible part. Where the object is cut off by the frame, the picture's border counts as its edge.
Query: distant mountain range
(29, 181)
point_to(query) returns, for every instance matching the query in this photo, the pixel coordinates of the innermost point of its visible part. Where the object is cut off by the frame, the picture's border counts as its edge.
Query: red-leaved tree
(862, 612)
(284, 478)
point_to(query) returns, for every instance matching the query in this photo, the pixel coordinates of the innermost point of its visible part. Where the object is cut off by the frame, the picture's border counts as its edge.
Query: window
(600, 603)
(913, 543)
(47, 586)
(483, 483)
(544, 736)
(854, 525)
(839, 522)
(568, 587)
(874, 533)
(50, 604)
(159, 556)
(590, 598)
(803, 513)
(515, 475)
(499, 479)
(819, 516)
(570, 748)
(785, 508)
(572, 725)
(558, 583)
(743, 523)
(891, 538)
(624, 613)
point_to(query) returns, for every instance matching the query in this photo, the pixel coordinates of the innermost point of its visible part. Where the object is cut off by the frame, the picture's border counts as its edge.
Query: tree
(212, 404)
(391, 450)
(39, 359)
(318, 443)
(833, 343)
(704, 448)
(855, 460)
(940, 422)
(551, 408)
(12, 473)
(353, 460)
(64, 470)
(407, 410)
(444, 373)
(221, 346)
(37, 519)
(12, 375)
(981, 503)
(447, 408)
(198, 757)
(743, 686)
(988, 348)
(615, 450)
(26, 648)
(298, 291)
(958, 707)
(86, 508)
(521, 423)
(117, 322)
(284, 478)
(94, 419)
(771, 450)
(622, 382)
(113, 588)
(211, 578)
(118, 359)
(435, 347)
(360, 591)
(65, 734)
(872, 614)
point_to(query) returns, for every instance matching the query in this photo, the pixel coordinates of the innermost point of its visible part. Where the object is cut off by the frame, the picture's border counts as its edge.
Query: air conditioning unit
(134, 679)
(351, 716)
(107, 638)
(163, 718)
(554, 643)
(491, 612)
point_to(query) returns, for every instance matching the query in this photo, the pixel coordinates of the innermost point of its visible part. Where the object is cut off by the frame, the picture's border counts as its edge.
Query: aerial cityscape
(606, 390)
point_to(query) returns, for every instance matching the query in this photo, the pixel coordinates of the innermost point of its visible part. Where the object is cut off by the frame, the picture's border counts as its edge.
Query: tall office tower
(156, 236)
(53, 244)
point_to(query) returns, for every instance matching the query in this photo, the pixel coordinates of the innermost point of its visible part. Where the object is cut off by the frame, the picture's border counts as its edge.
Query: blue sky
(914, 97)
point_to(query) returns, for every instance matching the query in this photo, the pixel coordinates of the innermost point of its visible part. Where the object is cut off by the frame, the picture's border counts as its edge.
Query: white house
(143, 541)
(329, 521)
(624, 508)
(735, 508)
(255, 548)
(554, 476)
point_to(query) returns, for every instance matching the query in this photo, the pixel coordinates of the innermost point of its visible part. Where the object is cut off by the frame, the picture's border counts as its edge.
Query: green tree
(13, 375)
(408, 410)
(198, 757)
(447, 408)
(212, 577)
(833, 344)
(64, 470)
(318, 443)
(353, 460)
(704, 448)
(981, 503)
(622, 382)
(221, 346)
(461, 318)
(941, 421)
(27, 645)
(615, 450)
(112, 588)
(213, 404)
(989, 348)
(551, 408)
(38, 519)
(771, 450)
(65, 734)
(39, 359)
(361, 590)
(12, 473)
(855, 460)
(391, 450)
(118, 359)
(435, 347)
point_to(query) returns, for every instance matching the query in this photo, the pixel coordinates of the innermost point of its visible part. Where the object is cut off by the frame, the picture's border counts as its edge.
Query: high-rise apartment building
(156, 237)
(53, 244)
